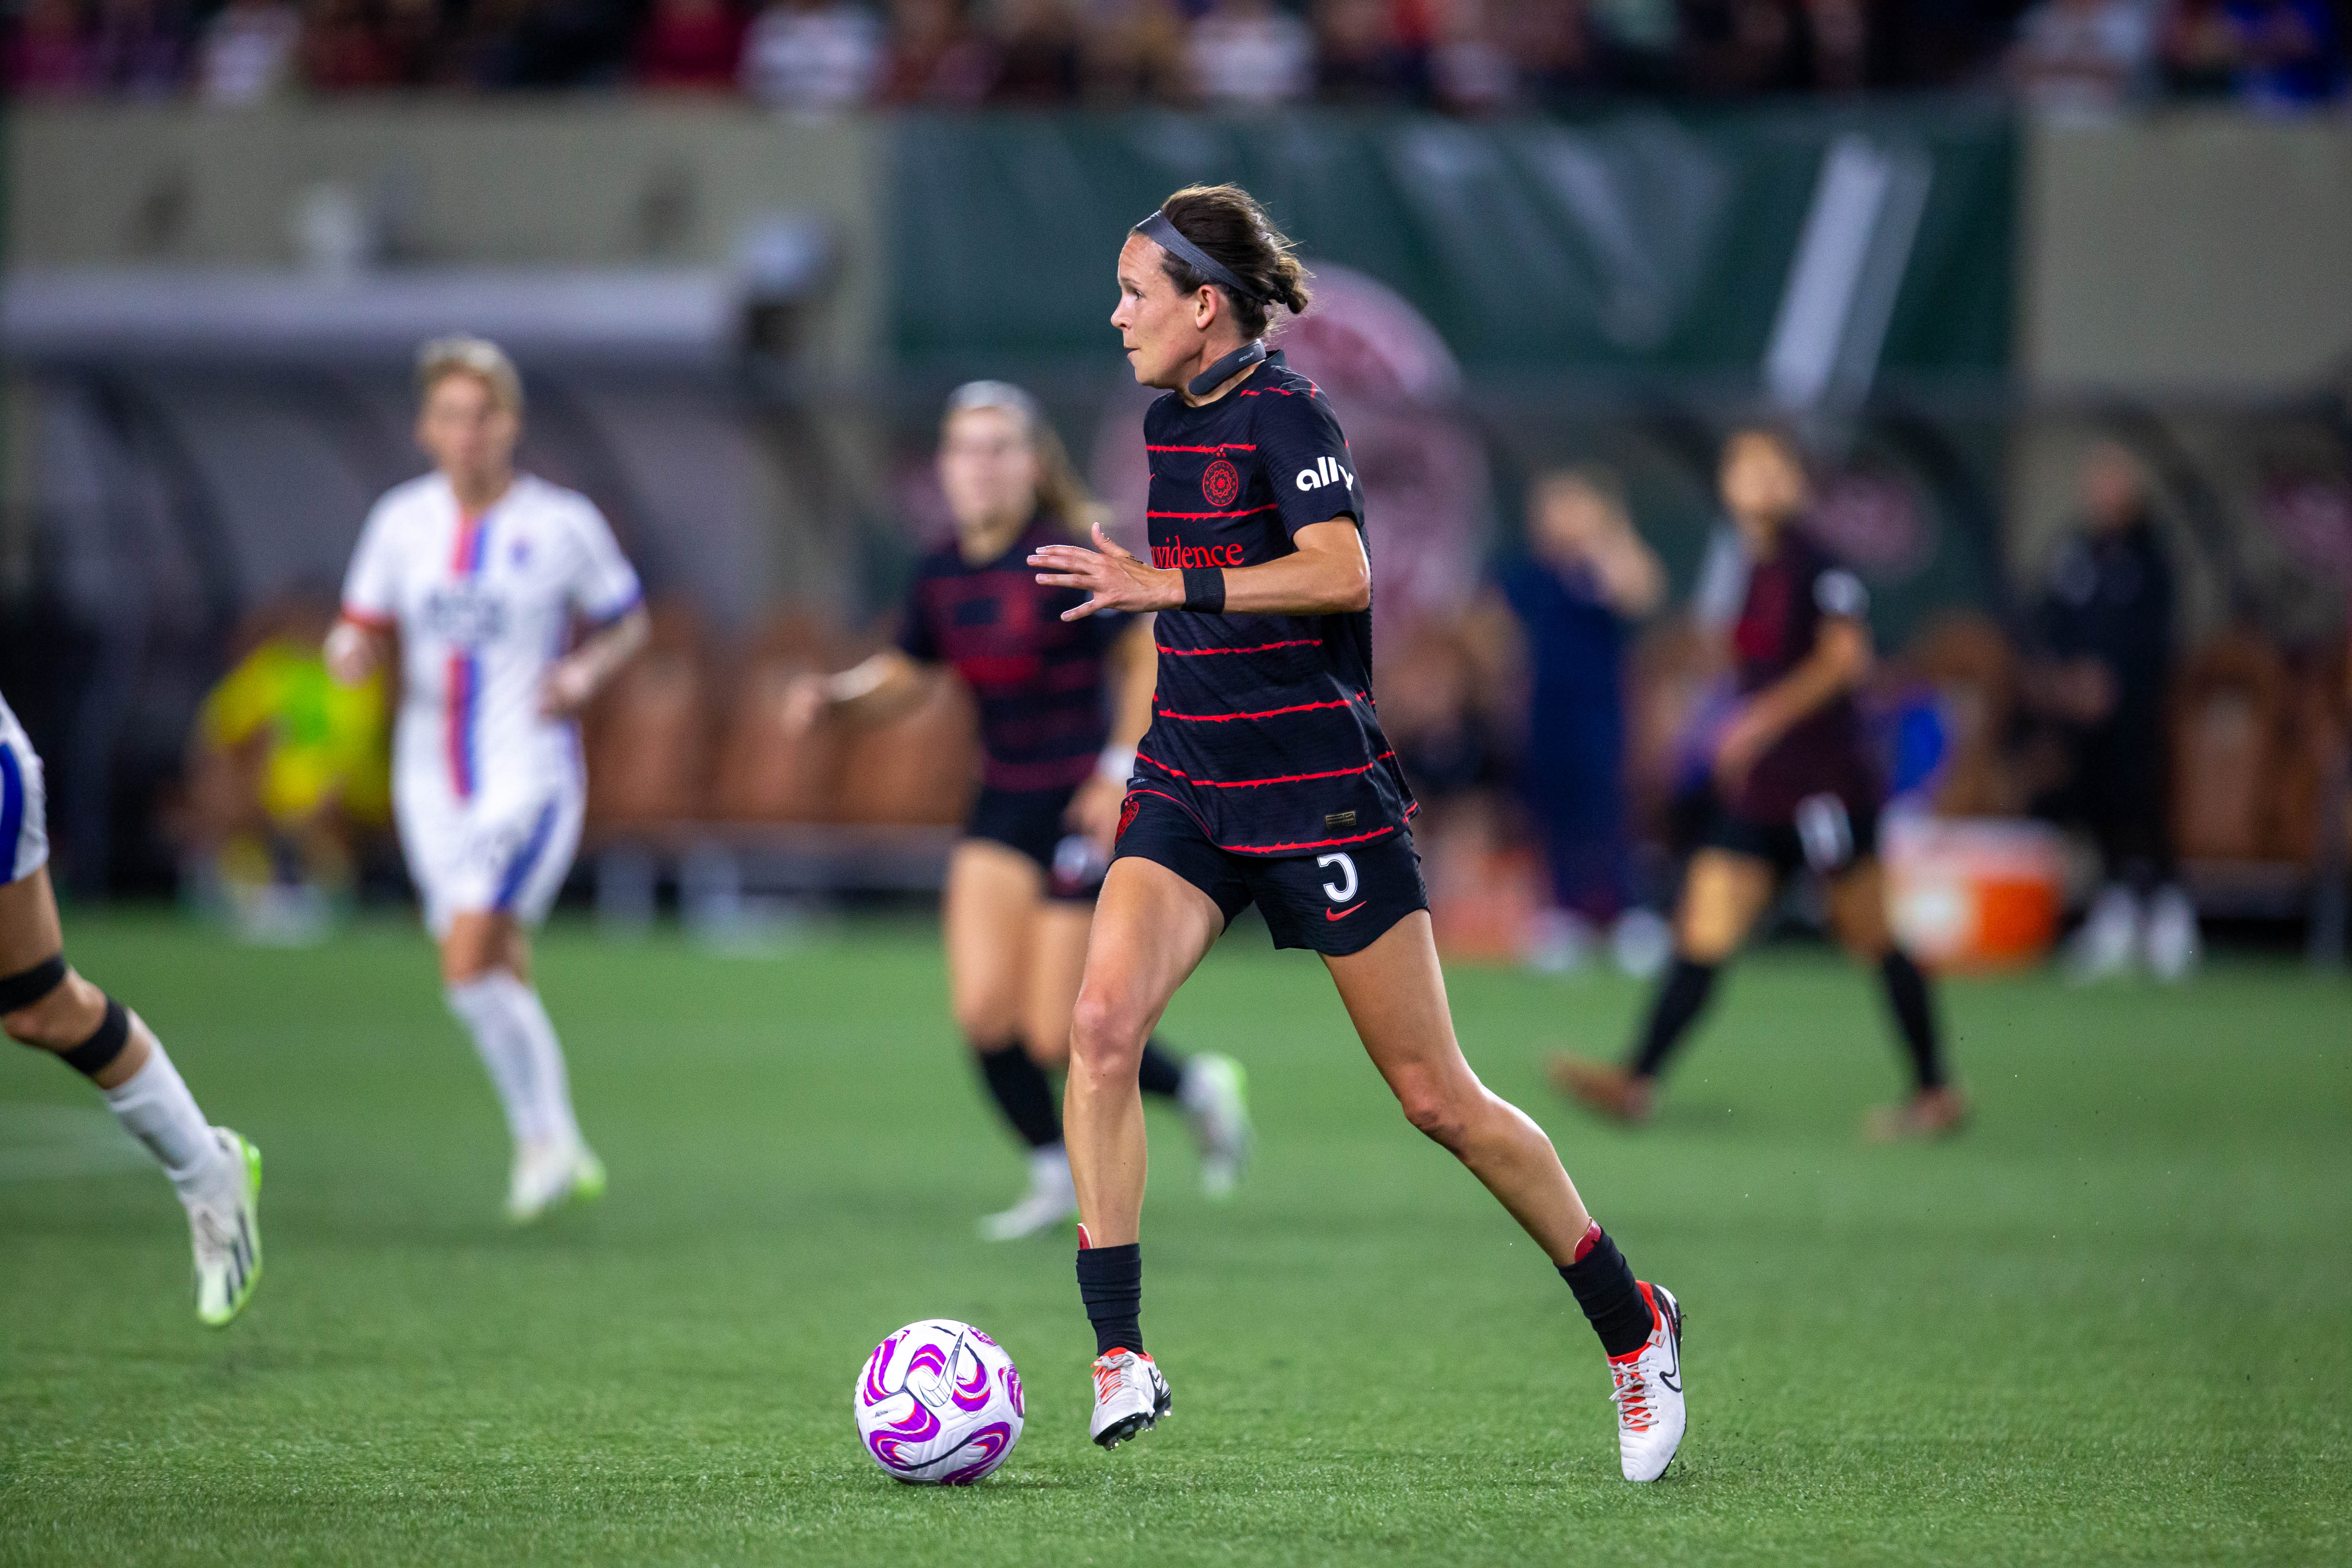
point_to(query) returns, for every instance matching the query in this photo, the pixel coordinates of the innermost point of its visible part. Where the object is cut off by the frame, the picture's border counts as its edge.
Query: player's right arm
(361, 642)
(875, 690)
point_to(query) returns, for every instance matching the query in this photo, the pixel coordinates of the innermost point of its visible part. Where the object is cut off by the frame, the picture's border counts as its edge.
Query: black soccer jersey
(1263, 726)
(1780, 621)
(1039, 678)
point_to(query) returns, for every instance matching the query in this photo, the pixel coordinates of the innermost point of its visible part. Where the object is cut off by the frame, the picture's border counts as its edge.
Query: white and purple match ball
(939, 1403)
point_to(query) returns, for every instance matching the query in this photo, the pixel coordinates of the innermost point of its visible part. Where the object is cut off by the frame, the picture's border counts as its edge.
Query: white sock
(154, 1104)
(551, 1081)
(484, 1007)
(1049, 1169)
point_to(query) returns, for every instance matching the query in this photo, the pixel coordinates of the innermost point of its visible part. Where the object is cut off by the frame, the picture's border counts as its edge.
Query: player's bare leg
(990, 915)
(486, 977)
(1395, 995)
(1210, 1088)
(1151, 929)
(1723, 895)
(216, 1174)
(1857, 901)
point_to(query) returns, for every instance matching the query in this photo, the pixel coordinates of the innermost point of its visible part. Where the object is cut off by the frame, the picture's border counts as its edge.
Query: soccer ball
(939, 1403)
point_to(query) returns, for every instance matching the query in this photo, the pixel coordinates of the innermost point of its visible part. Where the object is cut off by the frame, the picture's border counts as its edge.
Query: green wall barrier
(1629, 241)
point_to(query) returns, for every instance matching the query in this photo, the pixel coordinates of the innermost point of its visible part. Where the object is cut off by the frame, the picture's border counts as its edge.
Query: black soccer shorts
(1336, 901)
(1826, 835)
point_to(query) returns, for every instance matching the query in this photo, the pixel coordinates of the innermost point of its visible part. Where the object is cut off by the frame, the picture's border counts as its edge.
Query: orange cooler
(1974, 893)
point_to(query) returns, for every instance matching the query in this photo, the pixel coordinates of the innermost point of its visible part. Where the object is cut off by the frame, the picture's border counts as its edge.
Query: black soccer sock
(1604, 1285)
(1914, 1014)
(1023, 1093)
(1111, 1282)
(1163, 1072)
(1680, 1001)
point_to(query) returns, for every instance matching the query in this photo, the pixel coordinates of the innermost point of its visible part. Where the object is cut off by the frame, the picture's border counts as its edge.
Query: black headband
(1164, 234)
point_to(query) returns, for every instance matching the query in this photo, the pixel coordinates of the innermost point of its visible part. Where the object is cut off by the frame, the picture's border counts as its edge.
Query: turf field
(2113, 1323)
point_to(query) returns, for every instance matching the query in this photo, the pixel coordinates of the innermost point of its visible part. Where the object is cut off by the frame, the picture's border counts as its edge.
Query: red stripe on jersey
(1316, 843)
(1228, 447)
(1245, 511)
(1268, 714)
(1278, 779)
(1254, 647)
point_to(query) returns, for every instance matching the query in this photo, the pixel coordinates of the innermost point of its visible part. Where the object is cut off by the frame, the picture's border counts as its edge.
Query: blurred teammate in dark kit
(1793, 788)
(2102, 634)
(1062, 704)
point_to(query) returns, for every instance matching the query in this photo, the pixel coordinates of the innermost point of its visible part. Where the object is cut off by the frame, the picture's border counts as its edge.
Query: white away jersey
(483, 605)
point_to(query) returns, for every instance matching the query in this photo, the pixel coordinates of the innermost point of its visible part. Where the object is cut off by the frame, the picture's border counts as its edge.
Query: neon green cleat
(226, 1235)
(546, 1176)
(1215, 1097)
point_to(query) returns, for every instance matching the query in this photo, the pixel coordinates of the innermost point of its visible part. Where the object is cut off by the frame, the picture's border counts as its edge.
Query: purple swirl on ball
(1011, 1376)
(991, 1441)
(917, 1427)
(929, 1358)
(972, 1395)
(876, 1365)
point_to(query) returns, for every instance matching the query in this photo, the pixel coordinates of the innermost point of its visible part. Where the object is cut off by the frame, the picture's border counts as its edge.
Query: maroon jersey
(1788, 596)
(1044, 711)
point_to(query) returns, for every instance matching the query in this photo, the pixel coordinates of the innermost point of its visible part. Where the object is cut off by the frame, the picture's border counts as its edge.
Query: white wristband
(1116, 764)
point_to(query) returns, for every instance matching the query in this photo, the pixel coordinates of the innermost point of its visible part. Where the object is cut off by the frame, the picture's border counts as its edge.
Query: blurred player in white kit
(482, 572)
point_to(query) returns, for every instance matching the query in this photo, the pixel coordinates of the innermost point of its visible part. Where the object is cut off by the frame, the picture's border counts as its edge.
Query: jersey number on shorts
(1345, 889)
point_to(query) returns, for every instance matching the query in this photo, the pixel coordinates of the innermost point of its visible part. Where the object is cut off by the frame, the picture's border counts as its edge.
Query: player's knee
(64, 1017)
(985, 1018)
(1441, 1116)
(1106, 1035)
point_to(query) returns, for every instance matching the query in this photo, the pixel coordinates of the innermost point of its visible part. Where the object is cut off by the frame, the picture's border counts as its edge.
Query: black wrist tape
(27, 986)
(1204, 589)
(96, 1053)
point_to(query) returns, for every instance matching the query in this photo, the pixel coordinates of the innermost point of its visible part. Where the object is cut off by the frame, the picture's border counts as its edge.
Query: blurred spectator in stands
(1130, 49)
(1361, 53)
(141, 47)
(2274, 55)
(419, 39)
(1551, 43)
(557, 43)
(689, 45)
(1036, 51)
(1842, 44)
(815, 58)
(1245, 54)
(1471, 68)
(287, 770)
(342, 49)
(50, 51)
(1586, 580)
(2101, 643)
(247, 51)
(1938, 43)
(1733, 47)
(2078, 59)
(937, 56)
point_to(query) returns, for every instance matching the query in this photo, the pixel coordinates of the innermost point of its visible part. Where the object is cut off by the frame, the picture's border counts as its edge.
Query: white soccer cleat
(1215, 1097)
(2108, 938)
(547, 1175)
(1052, 1199)
(225, 1229)
(2170, 943)
(1131, 1397)
(1649, 1392)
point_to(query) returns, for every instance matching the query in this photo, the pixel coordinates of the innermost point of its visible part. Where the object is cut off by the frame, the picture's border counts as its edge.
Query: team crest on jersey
(1221, 482)
(1126, 810)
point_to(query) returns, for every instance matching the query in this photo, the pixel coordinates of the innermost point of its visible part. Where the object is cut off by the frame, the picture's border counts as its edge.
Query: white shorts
(23, 807)
(509, 855)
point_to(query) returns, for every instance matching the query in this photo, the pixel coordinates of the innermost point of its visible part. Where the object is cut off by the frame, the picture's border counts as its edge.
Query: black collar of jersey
(1216, 375)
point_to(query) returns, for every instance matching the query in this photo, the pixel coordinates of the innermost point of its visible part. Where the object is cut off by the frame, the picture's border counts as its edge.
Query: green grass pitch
(2111, 1323)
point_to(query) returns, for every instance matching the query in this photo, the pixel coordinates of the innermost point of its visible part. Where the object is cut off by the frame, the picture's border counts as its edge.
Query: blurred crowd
(826, 56)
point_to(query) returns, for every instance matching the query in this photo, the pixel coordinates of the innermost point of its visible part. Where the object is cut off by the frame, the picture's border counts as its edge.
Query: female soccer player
(480, 571)
(1793, 787)
(1021, 885)
(1265, 778)
(45, 1005)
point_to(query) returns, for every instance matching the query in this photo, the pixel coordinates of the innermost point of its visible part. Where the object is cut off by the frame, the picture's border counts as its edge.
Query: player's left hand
(568, 687)
(1094, 811)
(1113, 576)
(1744, 740)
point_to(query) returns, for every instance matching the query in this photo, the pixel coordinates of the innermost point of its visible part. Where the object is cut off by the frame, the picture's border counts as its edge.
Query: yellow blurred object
(327, 743)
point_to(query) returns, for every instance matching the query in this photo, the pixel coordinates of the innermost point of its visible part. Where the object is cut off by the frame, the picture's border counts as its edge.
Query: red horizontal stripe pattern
(1254, 647)
(1277, 779)
(1267, 713)
(1195, 516)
